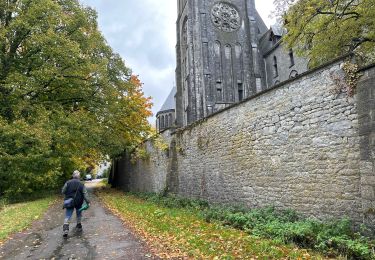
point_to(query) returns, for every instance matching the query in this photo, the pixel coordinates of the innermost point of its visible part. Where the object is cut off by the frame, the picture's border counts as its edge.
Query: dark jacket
(74, 189)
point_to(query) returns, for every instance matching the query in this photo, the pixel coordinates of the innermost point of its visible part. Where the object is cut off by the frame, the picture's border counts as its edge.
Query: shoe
(65, 230)
(79, 227)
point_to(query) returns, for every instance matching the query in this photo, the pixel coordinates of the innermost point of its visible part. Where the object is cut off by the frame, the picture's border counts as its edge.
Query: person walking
(76, 192)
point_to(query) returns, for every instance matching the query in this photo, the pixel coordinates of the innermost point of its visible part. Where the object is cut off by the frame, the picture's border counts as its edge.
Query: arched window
(291, 58)
(170, 120)
(275, 69)
(184, 32)
(166, 121)
(162, 122)
(293, 74)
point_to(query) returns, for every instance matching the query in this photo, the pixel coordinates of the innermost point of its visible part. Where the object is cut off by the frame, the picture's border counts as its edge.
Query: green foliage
(334, 237)
(139, 153)
(160, 143)
(331, 238)
(171, 201)
(66, 100)
(323, 30)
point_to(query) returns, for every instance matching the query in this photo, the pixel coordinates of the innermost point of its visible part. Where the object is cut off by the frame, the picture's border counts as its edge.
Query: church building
(225, 53)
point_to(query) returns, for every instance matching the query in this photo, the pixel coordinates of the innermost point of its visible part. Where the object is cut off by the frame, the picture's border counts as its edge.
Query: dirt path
(104, 237)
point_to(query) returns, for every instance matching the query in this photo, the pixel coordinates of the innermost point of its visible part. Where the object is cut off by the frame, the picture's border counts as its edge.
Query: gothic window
(162, 122)
(291, 58)
(225, 17)
(275, 69)
(218, 61)
(170, 120)
(229, 89)
(166, 121)
(184, 32)
(239, 58)
(293, 74)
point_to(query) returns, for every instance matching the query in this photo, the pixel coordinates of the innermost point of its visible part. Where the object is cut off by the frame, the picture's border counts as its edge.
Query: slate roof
(261, 25)
(169, 102)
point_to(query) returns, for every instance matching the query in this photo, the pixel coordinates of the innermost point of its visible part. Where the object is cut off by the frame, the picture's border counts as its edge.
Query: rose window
(225, 17)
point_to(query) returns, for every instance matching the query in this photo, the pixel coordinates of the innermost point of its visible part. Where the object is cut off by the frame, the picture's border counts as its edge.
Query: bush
(334, 237)
(173, 201)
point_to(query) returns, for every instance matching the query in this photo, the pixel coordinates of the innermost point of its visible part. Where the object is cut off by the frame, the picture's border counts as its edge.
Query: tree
(325, 29)
(66, 100)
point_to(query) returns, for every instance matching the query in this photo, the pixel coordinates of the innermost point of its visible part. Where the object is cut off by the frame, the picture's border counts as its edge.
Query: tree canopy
(66, 99)
(325, 29)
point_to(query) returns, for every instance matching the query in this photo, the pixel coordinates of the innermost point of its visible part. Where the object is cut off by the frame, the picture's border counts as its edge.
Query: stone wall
(144, 175)
(301, 145)
(366, 118)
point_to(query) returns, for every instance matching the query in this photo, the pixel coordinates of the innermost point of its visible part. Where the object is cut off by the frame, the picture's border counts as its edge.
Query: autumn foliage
(326, 29)
(66, 99)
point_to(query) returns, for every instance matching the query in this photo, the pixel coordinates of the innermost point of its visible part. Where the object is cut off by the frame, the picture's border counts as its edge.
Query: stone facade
(224, 55)
(366, 119)
(143, 175)
(217, 56)
(279, 64)
(298, 145)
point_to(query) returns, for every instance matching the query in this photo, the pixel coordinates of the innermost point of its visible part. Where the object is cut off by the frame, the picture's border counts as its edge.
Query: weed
(331, 237)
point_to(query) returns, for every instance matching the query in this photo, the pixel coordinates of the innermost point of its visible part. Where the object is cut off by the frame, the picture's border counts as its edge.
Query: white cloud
(143, 33)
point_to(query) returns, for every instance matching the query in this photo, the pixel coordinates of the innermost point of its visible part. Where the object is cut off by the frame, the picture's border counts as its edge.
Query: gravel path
(104, 236)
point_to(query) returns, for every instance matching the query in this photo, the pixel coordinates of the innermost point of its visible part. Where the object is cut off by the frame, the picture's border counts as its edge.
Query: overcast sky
(143, 33)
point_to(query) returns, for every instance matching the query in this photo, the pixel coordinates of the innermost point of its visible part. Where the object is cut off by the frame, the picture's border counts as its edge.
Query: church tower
(218, 59)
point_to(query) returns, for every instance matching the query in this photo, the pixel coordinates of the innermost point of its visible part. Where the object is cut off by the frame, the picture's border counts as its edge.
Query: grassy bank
(333, 238)
(180, 232)
(18, 215)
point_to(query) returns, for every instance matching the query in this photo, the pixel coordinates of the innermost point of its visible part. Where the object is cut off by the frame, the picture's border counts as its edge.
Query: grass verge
(17, 216)
(181, 233)
(333, 238)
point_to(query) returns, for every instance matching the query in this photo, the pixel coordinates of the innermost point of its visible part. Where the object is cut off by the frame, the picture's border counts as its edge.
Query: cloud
(143, 33)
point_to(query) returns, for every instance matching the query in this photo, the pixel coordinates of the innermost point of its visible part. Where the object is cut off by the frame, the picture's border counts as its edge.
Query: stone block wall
(296, 147)
(144, 175)
(366, 118)
(301, 145)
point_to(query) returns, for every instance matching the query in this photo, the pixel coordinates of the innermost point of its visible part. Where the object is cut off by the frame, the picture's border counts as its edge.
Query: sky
(143, 32)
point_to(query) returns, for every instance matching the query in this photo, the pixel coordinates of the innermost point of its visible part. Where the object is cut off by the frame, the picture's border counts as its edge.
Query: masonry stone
(284, 148)
(257, 128)
(225, 53)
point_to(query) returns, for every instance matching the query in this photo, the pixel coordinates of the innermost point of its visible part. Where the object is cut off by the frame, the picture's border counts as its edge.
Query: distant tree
(325, 29)
(66, 100)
